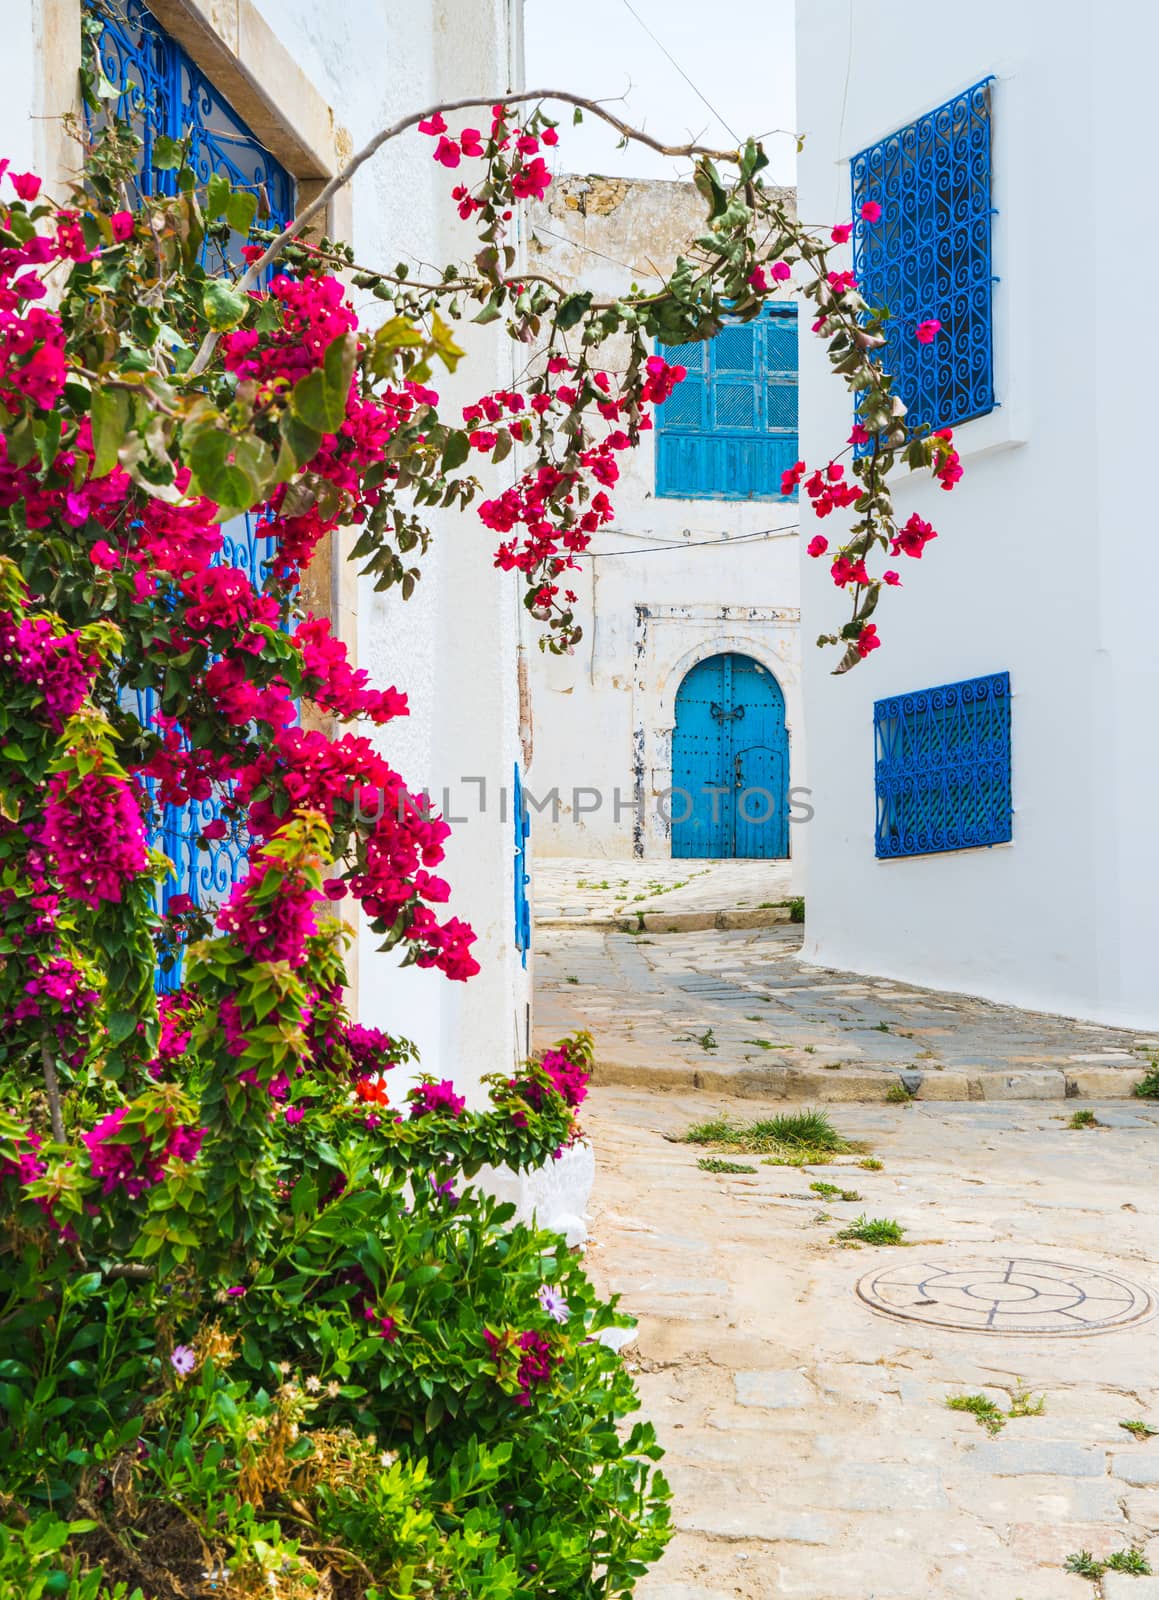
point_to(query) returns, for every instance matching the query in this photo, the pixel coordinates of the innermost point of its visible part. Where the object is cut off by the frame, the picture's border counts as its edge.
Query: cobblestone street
(798, 1381)
(810, 1447)
(737, 1011)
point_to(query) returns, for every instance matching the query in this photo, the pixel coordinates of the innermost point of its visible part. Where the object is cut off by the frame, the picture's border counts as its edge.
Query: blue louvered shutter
(779, 383)
(682, 423)
(730, 429)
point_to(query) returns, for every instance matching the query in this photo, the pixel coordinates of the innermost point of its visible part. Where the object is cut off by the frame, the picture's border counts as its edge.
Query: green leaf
(217, 194)
(120, 1025)
(319, 399)
(573, 309)
(224, 308)
(110, 422)
(456, 450)
(234, 472)
(166, 153)
(241, 210)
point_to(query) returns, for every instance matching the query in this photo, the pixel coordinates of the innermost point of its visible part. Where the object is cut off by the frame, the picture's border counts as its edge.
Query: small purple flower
(445, 1191)
(183, 1359)
(553, 1303)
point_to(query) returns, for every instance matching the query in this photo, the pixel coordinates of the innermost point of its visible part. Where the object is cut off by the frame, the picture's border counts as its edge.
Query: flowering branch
(253, 274)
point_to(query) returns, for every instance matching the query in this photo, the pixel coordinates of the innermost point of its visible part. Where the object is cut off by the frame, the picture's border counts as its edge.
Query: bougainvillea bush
(259, 1335)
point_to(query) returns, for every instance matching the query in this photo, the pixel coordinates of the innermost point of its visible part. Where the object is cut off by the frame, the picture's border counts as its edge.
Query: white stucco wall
(452, 646)
(603, 717)
(1040, 565)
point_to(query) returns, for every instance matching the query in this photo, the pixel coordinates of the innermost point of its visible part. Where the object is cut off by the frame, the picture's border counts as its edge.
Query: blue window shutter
(681, 423)
(734, 432)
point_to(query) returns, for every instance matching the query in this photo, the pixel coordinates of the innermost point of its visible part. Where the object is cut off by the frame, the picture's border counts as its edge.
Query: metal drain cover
(1011, 1294)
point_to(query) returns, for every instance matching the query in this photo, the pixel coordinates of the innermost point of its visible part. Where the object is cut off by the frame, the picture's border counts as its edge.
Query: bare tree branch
(340, 179)
(52, 1089)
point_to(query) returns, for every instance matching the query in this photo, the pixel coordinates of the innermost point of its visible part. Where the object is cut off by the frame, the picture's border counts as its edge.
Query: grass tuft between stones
(793, 1139)
(873, 1230)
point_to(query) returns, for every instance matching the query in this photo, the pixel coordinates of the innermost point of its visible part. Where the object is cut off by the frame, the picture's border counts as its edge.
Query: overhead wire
(689, 544)
(696, 91)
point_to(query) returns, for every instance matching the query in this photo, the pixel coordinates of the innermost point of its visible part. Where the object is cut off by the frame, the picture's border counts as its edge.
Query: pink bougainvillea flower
(781, 271)
(437, 1097)
(433, 125)
(870, 211)
(26, 184)
(216, 829)
(447, 152)
(841, 232)
(549, 136)
(926, 332)
(948, 467)
(912, 539)
(892, 579)
(859, 435)
(792, 477)
(818, 545)
(121, 223)
(104, 556)
(867, 640)
(470, 142)
(758, 281)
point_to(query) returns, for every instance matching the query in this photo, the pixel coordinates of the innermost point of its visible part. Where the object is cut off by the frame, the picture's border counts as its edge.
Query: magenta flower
(927, 332)
(437, 1097)
(870, 211)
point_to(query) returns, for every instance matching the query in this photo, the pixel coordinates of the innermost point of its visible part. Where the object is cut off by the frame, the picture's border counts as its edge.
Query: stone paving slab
(809, 1445)
(739, 1012)
(574, 891)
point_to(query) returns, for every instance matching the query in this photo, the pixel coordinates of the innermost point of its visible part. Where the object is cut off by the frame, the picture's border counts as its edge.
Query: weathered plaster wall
(603, 716)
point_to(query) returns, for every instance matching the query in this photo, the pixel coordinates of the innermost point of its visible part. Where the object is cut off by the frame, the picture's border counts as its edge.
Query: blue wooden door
(730, 762)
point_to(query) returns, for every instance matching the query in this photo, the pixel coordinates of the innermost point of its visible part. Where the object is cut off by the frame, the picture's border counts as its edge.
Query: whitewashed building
(674, 727)
(295, 87)
(984, 785)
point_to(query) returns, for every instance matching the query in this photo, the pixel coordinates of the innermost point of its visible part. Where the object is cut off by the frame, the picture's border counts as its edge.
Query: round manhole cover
(1009, 1295)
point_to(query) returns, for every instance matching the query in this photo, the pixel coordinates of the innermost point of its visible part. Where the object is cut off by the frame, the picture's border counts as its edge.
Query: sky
(743, 68)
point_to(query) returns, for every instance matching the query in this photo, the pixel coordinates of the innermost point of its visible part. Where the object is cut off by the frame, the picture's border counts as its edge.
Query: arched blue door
(730, 762)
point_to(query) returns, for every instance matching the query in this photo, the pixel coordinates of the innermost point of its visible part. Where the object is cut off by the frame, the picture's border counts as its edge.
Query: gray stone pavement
(739, 1012)
(570, 890)
(810, 1449)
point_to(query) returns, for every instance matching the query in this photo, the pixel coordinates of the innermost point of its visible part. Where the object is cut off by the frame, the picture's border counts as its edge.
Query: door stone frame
(669, 641)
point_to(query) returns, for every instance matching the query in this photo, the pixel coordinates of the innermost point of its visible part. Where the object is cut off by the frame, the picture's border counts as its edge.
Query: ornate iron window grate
(929, 256)
(729, 431)
(164, 92)
(943, 767)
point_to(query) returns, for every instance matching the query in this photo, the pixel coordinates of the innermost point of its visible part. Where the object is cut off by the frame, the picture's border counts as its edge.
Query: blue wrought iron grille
(165, 93)
(522, 876)
(729, 431)
(929, 256)
(943, 767)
